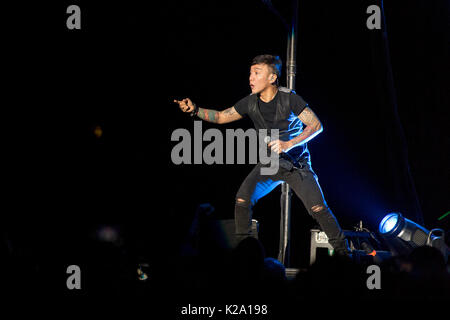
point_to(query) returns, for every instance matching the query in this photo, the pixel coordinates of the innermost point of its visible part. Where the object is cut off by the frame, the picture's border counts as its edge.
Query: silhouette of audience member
(338, 278)
(274, 280)
(428, 277)
(247, 267)
(191, 243)
(106, 261)
(274, 271)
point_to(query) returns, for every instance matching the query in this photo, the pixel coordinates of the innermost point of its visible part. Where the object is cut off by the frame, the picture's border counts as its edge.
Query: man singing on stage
(273, 107)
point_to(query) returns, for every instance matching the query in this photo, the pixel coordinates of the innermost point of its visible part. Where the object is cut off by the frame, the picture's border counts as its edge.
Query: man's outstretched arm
(214, 116)
(225, 116)
(312, 129)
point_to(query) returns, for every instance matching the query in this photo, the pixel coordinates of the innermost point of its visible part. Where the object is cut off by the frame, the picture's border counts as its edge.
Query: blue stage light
(404, 235)
(388, 223)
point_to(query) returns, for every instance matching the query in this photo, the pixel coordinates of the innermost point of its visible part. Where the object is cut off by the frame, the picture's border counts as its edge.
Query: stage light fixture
(388, 223)
(403, 235)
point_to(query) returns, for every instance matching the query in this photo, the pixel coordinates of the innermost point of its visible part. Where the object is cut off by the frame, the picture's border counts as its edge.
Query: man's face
(261, 77)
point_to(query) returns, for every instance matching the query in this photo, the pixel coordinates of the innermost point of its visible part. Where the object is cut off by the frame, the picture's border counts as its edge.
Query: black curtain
(410, 63)
(401, 184)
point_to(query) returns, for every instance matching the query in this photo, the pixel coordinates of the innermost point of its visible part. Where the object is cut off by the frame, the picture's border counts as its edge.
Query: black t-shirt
(268, 109)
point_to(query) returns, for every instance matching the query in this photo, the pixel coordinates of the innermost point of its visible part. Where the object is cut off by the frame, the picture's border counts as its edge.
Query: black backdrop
(128, 62)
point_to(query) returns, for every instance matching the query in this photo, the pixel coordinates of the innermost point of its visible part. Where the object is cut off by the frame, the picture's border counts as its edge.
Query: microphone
(289, 162)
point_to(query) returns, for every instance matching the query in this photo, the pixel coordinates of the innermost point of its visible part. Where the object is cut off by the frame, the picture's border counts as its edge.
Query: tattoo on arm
(308, 117)
(220, 117)
(307, 134)
(229, 111)
(208, 115)
(312, 129)
(229, 115)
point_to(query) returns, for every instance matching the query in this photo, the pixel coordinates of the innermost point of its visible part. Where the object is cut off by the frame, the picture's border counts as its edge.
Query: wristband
(195, 111)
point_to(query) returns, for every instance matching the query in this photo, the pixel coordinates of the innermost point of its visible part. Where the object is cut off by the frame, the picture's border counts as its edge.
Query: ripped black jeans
(304, 182)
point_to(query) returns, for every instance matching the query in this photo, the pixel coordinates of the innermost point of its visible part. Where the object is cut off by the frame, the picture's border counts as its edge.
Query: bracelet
(195, 111)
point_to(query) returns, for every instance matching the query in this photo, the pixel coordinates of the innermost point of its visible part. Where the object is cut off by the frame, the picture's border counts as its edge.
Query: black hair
(274, 62)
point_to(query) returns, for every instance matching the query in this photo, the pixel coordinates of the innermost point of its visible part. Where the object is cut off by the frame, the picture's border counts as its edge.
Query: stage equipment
(403, 235)
(365, 247)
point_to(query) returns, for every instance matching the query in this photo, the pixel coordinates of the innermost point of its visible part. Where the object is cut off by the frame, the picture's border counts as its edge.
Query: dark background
(128, 62)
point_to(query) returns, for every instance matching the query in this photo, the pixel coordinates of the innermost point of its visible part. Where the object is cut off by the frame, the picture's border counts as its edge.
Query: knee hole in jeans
(317, 208)
(241, 201)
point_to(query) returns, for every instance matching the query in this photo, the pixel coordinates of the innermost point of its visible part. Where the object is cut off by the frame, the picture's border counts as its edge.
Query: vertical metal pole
(291, 65)
(286, 193)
